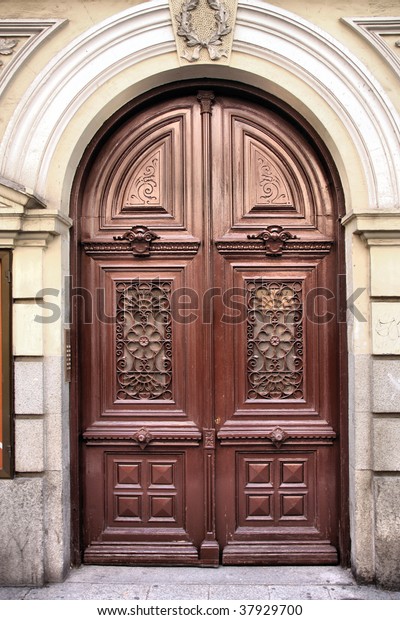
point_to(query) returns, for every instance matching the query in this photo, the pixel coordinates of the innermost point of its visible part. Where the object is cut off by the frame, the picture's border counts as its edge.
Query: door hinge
(8, 276)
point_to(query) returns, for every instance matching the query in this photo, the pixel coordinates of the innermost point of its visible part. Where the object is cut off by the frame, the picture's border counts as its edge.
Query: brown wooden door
(209, 366)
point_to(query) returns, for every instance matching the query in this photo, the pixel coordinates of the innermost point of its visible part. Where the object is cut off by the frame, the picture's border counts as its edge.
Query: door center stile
(209, 550)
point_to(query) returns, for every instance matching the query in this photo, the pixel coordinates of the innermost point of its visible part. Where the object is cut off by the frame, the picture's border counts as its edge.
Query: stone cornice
(24, 217)
(375, 228)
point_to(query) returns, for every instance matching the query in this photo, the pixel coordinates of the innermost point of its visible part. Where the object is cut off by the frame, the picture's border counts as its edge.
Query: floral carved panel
(274, 340)
(144, 341)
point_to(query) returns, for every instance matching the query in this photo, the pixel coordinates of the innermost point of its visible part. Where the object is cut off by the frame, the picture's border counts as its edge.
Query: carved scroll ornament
(274, 239)
(140, 239)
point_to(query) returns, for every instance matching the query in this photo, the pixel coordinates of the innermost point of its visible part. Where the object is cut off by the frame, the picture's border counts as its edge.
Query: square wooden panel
(293, 473)
(128, 508)
(258, 473)
(159, 498)
(162, 474)
(127, 474)
(162, 508)
(259, 507)
(275, 489)
(293, 507)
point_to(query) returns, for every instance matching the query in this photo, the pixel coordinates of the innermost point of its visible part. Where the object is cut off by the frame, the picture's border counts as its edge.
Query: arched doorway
(210, 346)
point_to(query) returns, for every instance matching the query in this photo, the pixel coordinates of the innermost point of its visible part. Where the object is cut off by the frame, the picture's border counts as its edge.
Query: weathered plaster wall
(34, 506)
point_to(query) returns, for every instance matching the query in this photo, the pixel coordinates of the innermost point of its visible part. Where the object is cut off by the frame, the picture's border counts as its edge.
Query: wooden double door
(209, 341)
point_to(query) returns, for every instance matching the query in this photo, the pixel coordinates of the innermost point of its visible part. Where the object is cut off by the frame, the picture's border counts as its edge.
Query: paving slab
(178, 592)
(12, 594)
(224, 575)
(299, 593)
(83, 592)
(193, 583)
(358, 593)
(239, 593)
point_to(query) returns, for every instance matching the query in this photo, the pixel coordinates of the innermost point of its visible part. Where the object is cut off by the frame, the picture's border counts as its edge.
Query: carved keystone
(274, 239)
(140, 239)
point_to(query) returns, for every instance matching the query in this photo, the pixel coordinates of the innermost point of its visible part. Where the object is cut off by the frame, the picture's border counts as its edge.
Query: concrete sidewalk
(184, 583)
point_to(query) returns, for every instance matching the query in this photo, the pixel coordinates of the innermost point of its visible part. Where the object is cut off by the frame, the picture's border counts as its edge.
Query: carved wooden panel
(266, 186)
(274, 339)
(145, 490)
(147, 174)
(275, 489)
(144, 340)
(146, 185)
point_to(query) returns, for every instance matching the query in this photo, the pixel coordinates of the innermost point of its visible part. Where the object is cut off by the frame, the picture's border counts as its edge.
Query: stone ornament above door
(203, 30)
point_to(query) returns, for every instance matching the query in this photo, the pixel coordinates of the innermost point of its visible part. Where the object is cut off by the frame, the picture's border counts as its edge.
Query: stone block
(21, 532)
(386, 386)
(58, 526)
(385, 281)
(28, 387)
(385, 327)
(386, 441)
(387, 535)
(360, 440)
(361, 524)
(55, 389)
(27, 272)
(27, 333)
(29, 446)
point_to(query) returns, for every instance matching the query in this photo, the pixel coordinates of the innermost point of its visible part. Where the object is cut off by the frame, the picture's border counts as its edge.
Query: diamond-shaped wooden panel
(275, 488)
(129, 507)
(292, 473)
(146, 490)
(258, 473)
(162, 508)
(127, 474)
(162, 474)
(293, 506)
(258, 506)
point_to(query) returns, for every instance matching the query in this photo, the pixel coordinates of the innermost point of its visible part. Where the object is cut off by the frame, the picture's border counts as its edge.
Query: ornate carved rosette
(274, 239)
(212, 44)
(139, 238)
(142, 437)
(144, 340)
(274, 340)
